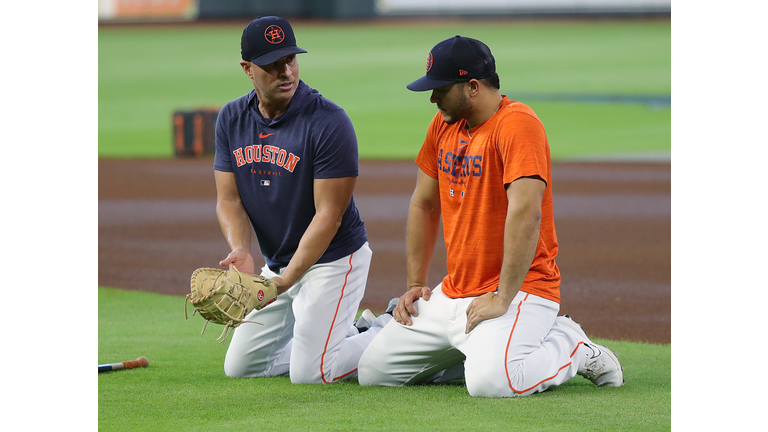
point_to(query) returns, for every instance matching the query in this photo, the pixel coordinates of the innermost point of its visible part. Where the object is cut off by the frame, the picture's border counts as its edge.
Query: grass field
(185, 389)
(147, 73)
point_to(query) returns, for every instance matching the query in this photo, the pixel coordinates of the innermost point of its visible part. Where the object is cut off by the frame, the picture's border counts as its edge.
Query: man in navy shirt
(285, 168)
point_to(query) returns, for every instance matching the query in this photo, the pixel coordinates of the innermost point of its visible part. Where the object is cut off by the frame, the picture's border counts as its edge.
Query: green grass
(147, 73)
(185, 389)
(575, 129)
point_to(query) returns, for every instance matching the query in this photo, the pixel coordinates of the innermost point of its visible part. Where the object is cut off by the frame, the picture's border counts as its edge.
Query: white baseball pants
(305, 328)
(520, 353)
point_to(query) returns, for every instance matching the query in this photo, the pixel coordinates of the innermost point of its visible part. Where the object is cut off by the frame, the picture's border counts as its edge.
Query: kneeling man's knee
(367, 373)
(304, 376)
(486, 382)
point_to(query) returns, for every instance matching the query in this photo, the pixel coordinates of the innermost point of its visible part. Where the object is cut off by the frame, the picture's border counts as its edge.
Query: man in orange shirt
(485, 168)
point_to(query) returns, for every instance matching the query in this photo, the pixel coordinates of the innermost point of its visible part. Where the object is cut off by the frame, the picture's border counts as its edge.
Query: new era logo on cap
(453, 60)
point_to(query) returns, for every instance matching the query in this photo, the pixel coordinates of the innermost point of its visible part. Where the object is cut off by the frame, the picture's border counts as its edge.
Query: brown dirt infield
(157, 224)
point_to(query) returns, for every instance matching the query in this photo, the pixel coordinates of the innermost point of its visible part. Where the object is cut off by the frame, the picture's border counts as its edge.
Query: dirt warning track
(157, 224)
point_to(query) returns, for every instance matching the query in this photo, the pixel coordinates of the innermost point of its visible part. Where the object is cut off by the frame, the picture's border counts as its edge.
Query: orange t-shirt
(471, 173)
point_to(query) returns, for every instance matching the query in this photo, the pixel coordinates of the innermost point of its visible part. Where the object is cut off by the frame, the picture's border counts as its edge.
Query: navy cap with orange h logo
(456, 59)
(268, 39)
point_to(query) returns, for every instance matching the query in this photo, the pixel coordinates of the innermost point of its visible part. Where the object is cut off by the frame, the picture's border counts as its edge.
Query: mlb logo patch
(265, 182)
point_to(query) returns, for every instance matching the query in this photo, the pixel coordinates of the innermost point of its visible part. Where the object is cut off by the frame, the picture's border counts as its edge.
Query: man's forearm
(521, 236)
(234, 224)
(312, 245)
(421, 237)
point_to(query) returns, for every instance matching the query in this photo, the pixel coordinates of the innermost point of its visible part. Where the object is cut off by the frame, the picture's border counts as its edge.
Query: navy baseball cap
(456, 59)
(268, 39)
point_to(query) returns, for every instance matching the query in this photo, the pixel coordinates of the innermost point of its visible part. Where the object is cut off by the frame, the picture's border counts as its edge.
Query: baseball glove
(227, 296)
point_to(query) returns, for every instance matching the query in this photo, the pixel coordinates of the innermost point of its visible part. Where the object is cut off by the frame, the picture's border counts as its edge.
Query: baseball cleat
(386, 317)
(365, 321)
(602, 366)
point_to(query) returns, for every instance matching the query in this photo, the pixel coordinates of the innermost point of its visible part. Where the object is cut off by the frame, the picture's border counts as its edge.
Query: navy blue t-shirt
(275, 162)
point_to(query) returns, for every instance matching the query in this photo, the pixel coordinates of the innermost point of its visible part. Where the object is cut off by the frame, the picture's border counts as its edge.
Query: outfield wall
(190, 10)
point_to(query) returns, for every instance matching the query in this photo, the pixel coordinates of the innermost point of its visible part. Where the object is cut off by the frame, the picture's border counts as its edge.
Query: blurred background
(189, 10)
(597, 72)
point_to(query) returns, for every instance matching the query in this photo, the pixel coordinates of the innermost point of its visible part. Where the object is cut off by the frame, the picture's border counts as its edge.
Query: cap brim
(425, 83)
(276, 55)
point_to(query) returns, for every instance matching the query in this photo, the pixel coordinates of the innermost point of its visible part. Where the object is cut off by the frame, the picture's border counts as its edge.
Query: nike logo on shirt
(261, 135)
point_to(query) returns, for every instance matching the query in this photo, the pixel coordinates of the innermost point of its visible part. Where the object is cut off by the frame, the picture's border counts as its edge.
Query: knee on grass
(367, 373)
(484, 382)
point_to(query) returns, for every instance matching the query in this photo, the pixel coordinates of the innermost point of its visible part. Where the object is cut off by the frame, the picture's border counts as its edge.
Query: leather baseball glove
(227, 296)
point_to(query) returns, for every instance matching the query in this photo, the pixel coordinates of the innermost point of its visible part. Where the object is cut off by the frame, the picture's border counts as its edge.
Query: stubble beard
(462, 110)
(274, 97)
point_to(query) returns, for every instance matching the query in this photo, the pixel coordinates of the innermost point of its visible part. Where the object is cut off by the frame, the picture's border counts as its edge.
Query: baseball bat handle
(130, 364)
(139, 362)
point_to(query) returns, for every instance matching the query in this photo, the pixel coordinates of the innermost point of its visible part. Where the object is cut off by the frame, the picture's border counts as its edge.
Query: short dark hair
(492, 82)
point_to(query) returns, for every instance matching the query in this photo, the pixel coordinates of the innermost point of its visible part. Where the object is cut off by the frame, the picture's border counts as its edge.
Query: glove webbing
(231, 323)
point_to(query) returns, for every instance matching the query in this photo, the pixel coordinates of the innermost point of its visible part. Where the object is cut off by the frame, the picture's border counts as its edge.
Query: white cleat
(365, 321)
(602, 366)
(386, 317)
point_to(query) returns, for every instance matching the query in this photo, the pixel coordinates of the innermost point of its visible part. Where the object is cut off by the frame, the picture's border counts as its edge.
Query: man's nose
(284, 69)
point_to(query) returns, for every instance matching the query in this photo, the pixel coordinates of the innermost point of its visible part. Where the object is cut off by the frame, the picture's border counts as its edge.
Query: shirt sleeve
(222, 159)
(427, 158)
(523, 147)
(335, 145)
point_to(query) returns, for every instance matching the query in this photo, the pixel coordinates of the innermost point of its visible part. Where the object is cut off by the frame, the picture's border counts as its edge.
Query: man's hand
(405, 307)
(241, 259)
(485, 307)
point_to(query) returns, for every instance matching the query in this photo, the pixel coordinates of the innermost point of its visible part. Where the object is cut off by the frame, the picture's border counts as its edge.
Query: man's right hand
(405, 307)
(241, 259)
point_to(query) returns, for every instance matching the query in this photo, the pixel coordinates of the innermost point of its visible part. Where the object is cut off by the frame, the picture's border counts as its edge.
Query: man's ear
(474, 87)
(246, 68)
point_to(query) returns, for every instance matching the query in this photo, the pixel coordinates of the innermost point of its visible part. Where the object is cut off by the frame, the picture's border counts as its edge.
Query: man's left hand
(487, 306)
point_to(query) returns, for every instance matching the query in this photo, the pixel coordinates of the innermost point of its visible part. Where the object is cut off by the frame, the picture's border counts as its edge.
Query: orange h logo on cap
(274, 34)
